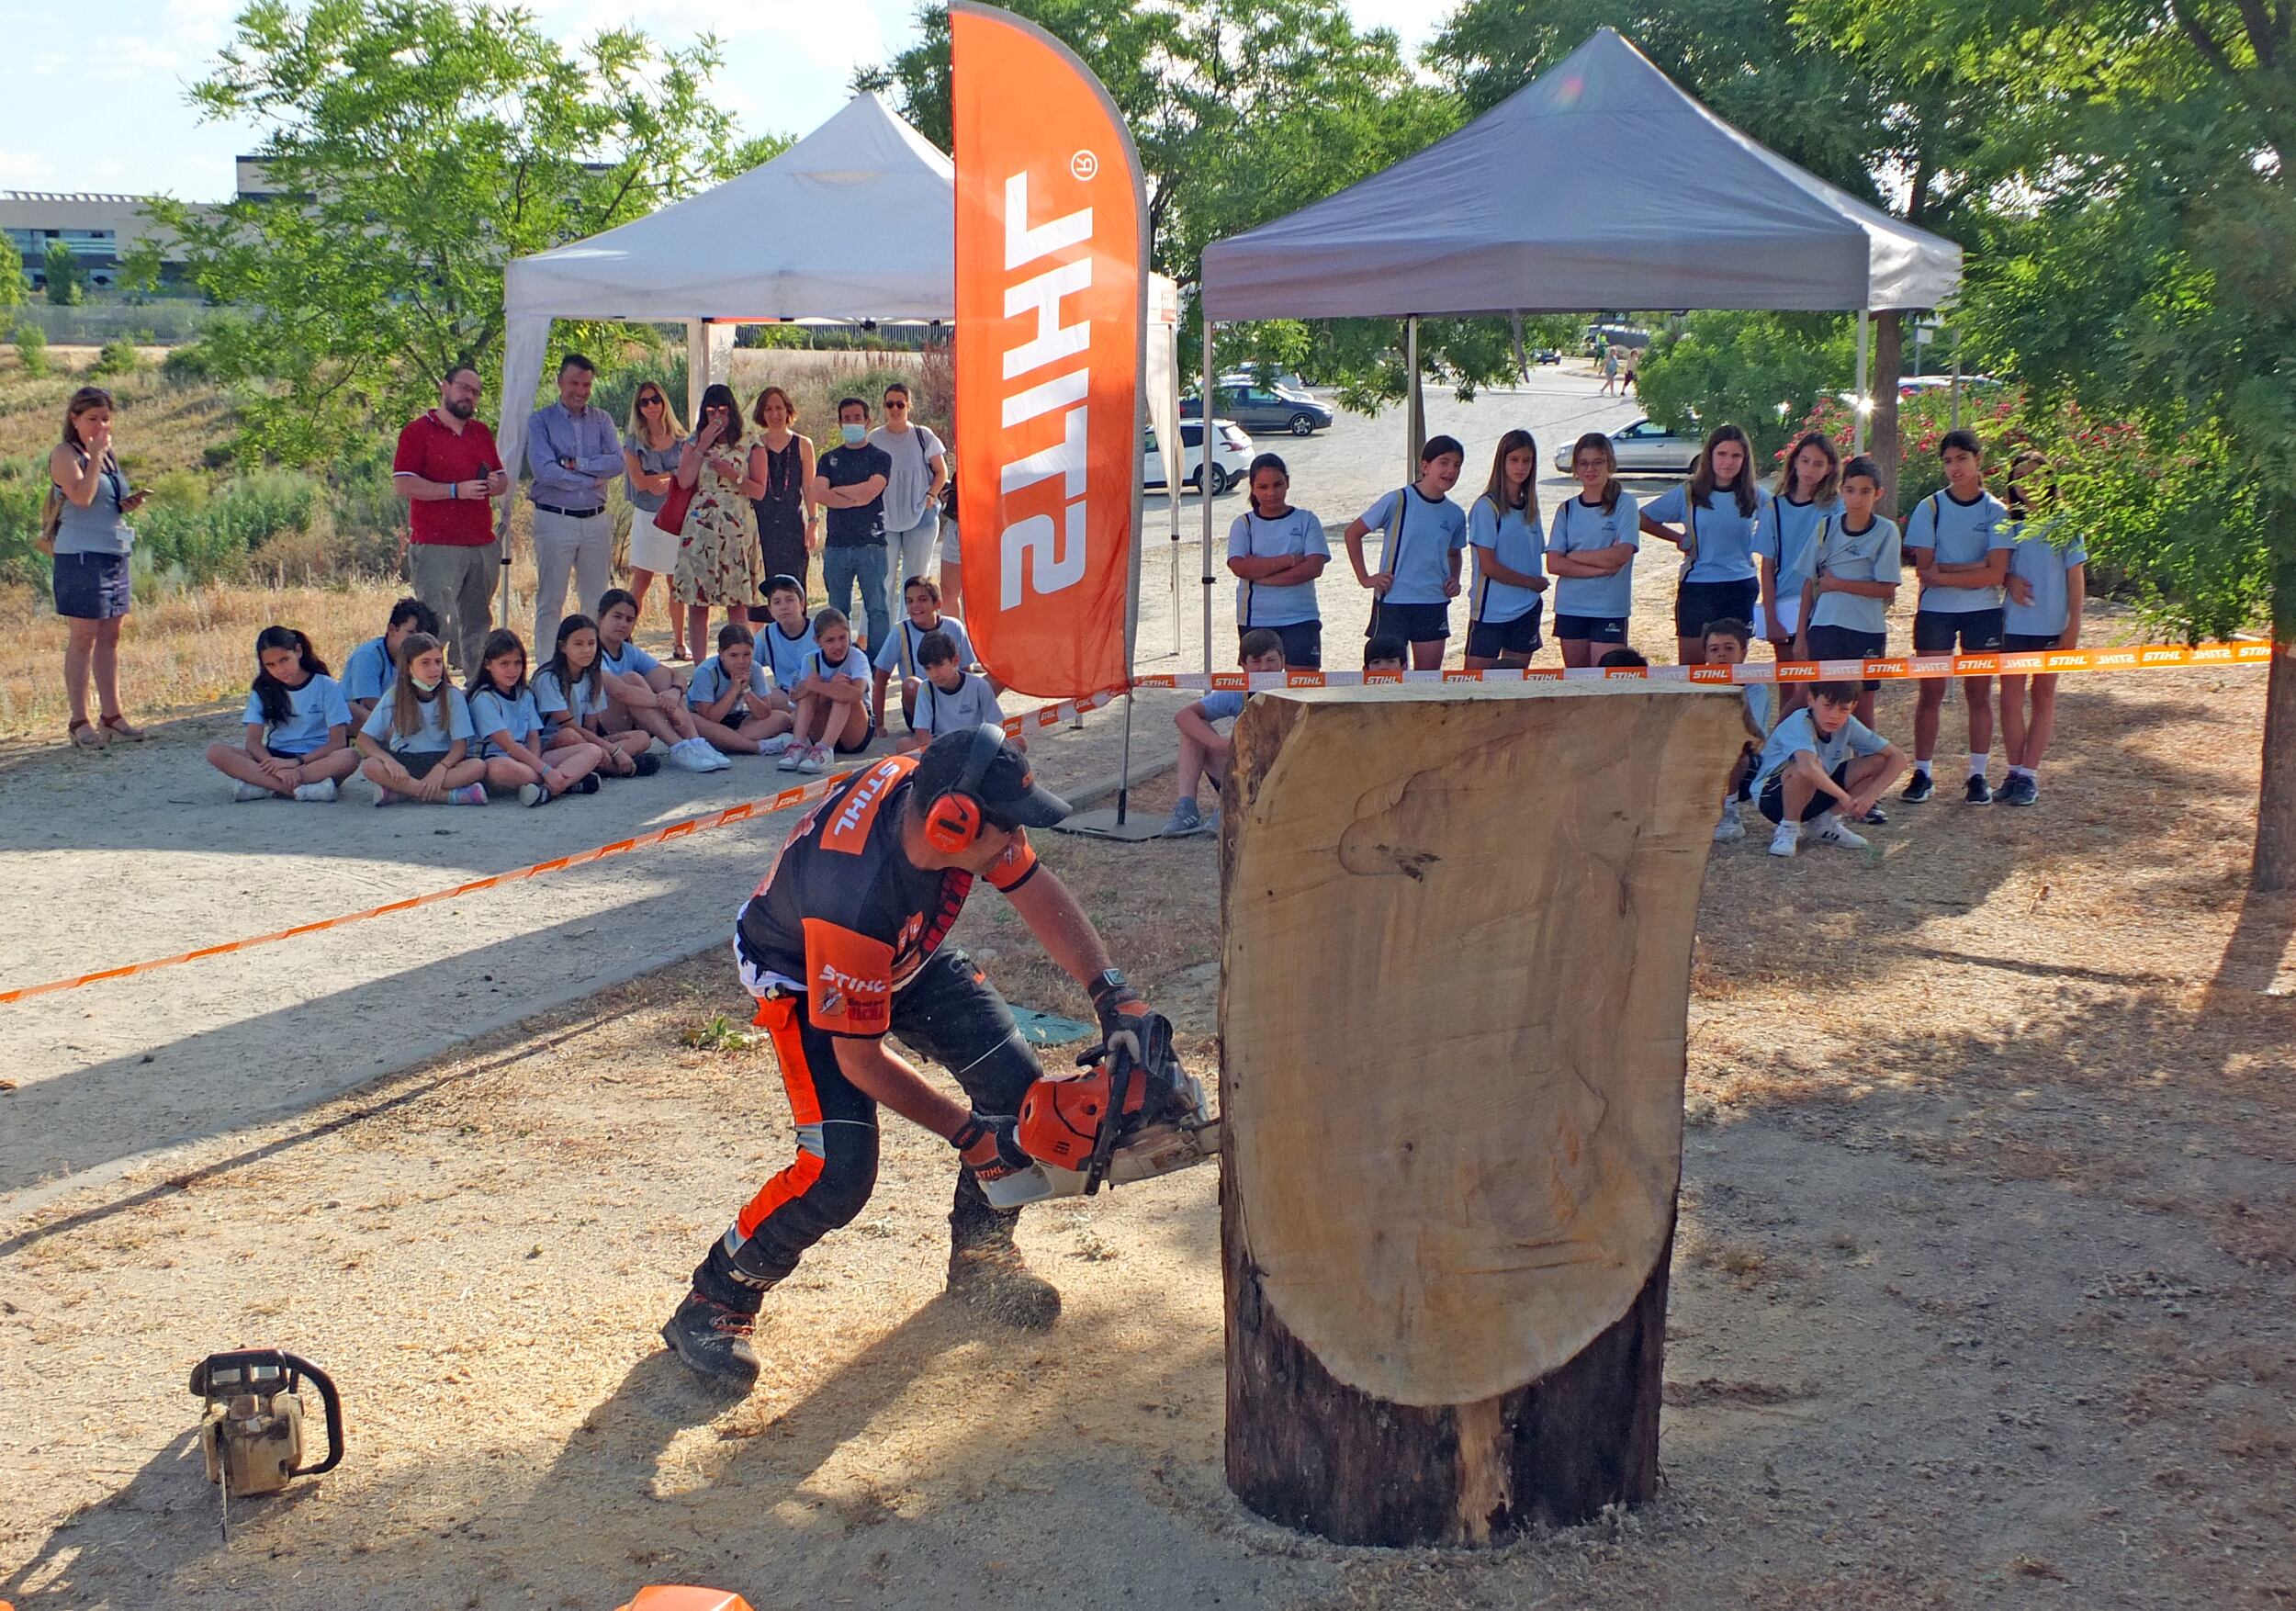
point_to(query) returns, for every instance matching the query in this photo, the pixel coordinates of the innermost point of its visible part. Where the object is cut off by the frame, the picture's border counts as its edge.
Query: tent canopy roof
(1598, 185)
(854, 221)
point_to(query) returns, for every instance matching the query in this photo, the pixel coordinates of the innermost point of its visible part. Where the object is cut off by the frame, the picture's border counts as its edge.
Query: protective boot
(986, 1269)
(714, 1339)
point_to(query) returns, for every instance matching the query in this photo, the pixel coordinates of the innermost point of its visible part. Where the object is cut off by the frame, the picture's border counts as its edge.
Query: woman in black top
(783, 460)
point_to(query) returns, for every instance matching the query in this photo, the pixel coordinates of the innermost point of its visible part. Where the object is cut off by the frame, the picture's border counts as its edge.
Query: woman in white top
(650, 450)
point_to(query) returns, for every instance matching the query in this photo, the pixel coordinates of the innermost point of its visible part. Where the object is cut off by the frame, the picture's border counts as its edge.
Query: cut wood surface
(1457, 941)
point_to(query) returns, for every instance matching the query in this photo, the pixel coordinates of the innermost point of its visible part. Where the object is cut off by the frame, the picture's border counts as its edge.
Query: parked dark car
(1266, 408)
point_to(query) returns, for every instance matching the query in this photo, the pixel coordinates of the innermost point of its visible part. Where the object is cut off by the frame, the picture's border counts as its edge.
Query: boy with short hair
(373, 667)
(734, 703)
(1855, 568)
(902, 651)
(2047, 580)
(786, 638)
(1423, 535)
(1623, 656)
(642, 693)
(950, 698)
(832, 699)
(1203, 748)
(1823, 765)
(1726, 643)
(1384, 653)
(1960, 550)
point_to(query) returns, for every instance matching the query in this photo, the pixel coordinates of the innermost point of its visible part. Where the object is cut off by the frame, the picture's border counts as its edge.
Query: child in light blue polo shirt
(417, 742)
(297, 725)
(786, 638)
(735, 703)
(950, 698)
(1853, 578)
(1785, 535)
(372, 666)
(1823, 765)
(2048, 577)
(1591, 546)
(1960, 549)
(1718, 509)
(1422, 540)
(1203, 748)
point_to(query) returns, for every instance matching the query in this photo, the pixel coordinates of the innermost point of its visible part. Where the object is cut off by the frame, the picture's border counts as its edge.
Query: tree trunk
(1885, 440)
(2274, 867)
(1453, 1014)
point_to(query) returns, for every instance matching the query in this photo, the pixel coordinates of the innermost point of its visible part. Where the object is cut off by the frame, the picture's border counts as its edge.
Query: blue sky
(98, 103)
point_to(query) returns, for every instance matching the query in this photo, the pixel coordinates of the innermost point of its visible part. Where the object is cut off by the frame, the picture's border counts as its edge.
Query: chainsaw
(1115, 1121)
(251, 1427)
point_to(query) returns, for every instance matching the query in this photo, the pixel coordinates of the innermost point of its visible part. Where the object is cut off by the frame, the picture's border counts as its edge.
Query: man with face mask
(448, 472)
(850, 481)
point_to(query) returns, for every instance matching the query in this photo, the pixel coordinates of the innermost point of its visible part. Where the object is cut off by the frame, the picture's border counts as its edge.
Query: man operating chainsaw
(842, 943)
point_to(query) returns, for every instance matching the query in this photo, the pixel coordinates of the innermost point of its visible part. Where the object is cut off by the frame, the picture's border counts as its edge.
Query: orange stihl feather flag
(1052, 318)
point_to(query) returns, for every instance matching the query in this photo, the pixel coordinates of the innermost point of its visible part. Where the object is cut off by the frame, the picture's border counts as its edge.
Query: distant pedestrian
(88, 506)
(651, 446)
(1626, 375)
(1610, 370)
(572, 451)
(851, 484)
(781, 462)
(920, 469)
(448, 470)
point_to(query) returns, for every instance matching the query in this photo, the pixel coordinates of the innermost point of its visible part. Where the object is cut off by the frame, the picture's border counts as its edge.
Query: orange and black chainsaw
(1115, 1121)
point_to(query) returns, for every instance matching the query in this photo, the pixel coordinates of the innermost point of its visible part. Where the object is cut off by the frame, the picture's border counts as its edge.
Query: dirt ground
(1985, 1292)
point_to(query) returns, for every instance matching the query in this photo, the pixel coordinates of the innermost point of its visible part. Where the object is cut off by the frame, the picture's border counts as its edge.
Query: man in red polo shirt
(449, 473)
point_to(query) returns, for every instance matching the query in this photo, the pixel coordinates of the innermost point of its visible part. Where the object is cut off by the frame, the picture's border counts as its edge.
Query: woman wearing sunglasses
(650, 447)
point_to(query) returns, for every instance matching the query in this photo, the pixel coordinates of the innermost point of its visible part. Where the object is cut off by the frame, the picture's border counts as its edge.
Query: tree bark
(2274, 865)
(1886, 440)
(1457, 930)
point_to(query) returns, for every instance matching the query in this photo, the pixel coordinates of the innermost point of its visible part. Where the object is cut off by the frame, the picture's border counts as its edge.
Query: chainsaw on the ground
(250, 1429)
(1117, 1120)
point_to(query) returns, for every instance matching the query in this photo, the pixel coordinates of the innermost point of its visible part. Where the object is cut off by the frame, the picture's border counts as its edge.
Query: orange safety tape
(2153, 657)
(765, 805)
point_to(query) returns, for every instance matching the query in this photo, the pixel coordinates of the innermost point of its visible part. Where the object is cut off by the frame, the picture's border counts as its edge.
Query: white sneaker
(321, 793)
(1729, 828)
(794, 756)
(384, 796)
(242, 793)
(776, 744)
(718, 759)
(687, 756)
(1787, 840)
(816, 760)
(1832, 831)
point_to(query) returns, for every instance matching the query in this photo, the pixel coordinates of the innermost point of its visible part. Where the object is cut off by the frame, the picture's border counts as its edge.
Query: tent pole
(1955, 422)
(1864, 403)
(1176, 470)
(1172, 487)
(1414, 418)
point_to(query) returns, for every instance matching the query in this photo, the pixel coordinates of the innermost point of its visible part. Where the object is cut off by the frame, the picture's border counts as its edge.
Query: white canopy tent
(1599, 184)
(855, 221)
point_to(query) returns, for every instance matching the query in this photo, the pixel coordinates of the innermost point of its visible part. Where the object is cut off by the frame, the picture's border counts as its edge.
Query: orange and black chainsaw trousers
(949, 1013)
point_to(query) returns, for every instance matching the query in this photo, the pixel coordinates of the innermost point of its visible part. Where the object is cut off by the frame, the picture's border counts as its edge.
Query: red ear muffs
(952, 822)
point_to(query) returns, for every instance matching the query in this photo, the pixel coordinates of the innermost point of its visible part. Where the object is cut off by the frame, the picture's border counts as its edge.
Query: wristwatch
(1107, 984)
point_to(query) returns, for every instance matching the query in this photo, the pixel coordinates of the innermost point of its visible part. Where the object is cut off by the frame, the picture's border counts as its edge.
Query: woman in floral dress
(719, 563)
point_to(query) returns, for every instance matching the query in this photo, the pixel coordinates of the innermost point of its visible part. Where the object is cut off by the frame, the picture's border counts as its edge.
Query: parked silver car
(1646, 449)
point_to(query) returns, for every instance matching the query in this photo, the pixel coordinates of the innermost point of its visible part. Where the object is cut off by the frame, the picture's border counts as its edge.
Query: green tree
(1243, 110)
(14, 289)
(2142, 275)
(66, 279)
(419, 145)
(1765, 371)
(1840, 87)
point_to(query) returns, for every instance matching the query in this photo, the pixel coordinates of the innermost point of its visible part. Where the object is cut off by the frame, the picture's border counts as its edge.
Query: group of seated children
(593, 709)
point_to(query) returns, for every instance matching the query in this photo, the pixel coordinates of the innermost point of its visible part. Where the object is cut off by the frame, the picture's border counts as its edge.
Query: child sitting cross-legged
(949, 699)
(513, 734)
(417, 742)
(1204, 748)
(297, 744)
(1822, 765)
(832, 698)
(735, 703)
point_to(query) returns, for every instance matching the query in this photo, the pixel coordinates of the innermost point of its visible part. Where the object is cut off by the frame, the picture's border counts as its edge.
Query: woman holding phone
(89, 504)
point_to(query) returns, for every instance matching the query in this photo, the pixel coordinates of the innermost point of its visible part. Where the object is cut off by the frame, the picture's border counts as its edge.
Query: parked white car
(1644, 448)
(1229, 461)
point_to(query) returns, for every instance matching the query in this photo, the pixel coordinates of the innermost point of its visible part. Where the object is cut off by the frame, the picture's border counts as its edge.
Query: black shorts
(2026, 643)
(951, 1013)
(1697, 603)
(1302, 641)
(1589, 628)
(1487, 640)
(869, 736)
(1412, 622)
(420, 763)
(92, 587)
(1774, 797)
(1934, 631)
(1847, 643)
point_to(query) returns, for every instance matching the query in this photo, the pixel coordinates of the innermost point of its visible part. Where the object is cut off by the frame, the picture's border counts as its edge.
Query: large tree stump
(1452, 1020)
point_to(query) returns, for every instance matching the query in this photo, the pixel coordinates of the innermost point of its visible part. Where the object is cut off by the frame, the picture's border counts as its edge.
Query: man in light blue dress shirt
(574, 452)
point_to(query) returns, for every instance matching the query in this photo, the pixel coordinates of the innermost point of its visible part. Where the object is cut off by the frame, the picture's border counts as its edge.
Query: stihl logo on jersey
(849, 830)
(1052, 552)
(834, 979)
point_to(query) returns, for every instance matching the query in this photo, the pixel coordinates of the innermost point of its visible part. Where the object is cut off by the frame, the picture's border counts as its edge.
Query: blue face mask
(854, 434)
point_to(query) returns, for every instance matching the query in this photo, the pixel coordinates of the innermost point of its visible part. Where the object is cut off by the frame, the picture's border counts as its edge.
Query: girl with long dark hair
(298, 725)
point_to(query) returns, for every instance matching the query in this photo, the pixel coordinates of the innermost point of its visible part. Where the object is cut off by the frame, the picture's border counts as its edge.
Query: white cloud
(27, 169)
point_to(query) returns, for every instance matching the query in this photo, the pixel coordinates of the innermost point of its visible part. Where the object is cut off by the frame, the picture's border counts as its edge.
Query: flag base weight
(1102, 824)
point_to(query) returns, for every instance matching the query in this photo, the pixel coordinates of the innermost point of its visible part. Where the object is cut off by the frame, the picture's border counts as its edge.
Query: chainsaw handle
(291, 1367)
(331, 1401)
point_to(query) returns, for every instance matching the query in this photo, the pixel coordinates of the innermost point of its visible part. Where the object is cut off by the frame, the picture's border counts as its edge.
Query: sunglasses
(892, 403)
(648, 400)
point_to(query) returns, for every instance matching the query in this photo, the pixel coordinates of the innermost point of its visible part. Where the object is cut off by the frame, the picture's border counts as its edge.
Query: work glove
(1124, 1020)
(990, 1146)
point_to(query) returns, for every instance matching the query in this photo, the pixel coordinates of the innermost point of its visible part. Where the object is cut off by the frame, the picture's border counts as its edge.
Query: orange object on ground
(675, 1598)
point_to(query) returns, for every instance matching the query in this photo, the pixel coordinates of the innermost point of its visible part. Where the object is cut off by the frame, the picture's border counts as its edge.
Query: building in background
(101, 227)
